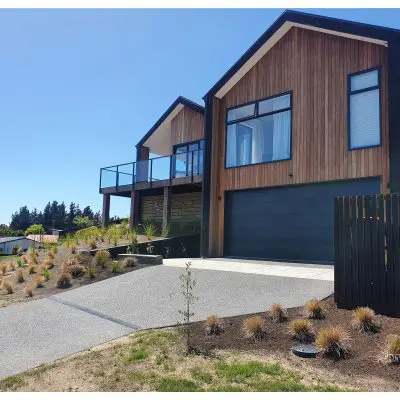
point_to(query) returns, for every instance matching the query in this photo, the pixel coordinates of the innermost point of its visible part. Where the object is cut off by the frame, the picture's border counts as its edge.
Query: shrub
(12, 265)
(46, 274)
(314, 309)
(278, 313)
(3, 268)
(115, 267)
(75, 270)
(20, 276)
(91, 272)
(254, 327)
(129, 263)
(28, 290)
(364, 320)
(392, 349)
(35, 229)
(84, 258)
(7, 286)
(102, 257)
(50, 255)
(92, 243)
(31, 268)
(73, 248)
(332, 342)
(302, 330)
(149, 230)
(39, 280)
(213, 325)
(63, 281)
(19, 262)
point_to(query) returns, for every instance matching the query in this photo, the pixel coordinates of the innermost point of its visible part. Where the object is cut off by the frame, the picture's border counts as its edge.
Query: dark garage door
(288, 223)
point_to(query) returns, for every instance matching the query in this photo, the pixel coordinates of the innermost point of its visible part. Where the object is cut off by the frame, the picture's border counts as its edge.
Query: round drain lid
(305, 350)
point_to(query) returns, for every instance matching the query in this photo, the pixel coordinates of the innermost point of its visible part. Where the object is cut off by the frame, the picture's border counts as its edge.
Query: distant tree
(83, 222)
(87, 212)
(6, 231)
(21, 219)
(35, 229)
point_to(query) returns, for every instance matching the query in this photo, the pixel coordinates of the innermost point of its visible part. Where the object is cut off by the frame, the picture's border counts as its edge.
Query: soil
(364, 363)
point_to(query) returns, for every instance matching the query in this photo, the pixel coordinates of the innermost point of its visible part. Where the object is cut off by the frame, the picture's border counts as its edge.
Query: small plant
(314, 309)
(129, 263)
(150, 249)
(75, 270)
(31, 268)
(392, 349)
(24, 260)
(33, 258)
(19, 251)
(3, 269)
(149, 230)
(254, 327)
(46, 274)
(54, 249)
(49, 263)
(50, 255)
(115, 267)
(12, 265)
(20, 276)
(68, 241)
(28, 290)
(19, 262)
(7, 286)
(133, 248)
(332, 342)
(73, 248)
(102, 258)
(213, 325)
(302, 330)
(91, 271)
(39, 280)
(63, 281)
(165, 230)
(364, 320)
(92, 243)
(278, 313)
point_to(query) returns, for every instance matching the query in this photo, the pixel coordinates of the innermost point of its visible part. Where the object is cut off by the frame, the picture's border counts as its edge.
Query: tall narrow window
(364, 109)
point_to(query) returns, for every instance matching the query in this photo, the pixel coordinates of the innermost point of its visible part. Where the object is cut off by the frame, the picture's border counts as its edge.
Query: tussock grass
(91, 271)
(74, 248)
(333, 342)
(46, 274)
(28, 290)
(51, 255)
(314, 309)
(4, 269)
(24, 259)
(49, 263)
(129, 263)
(214, 325)
(20, 275)
(149, 230)
(302, 330)
(32, 268)
(364, 320)
(63, 281)
(278, 313)
(19, 262)
(391, 350)
(7, 286)
(254, 328)
(115, 267)
(92, 243)
(102, 258)
(39, 280)
(12, 266)
(75, 270)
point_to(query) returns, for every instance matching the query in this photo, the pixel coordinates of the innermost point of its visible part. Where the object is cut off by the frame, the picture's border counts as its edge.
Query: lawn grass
(154, 361)
(7, 259)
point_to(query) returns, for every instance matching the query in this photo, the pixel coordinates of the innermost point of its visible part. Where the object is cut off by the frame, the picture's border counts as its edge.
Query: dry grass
(19, 262)
(75, 270)
(115, 267)
(391, 351)
(28, 291)
(278, 313)
(91, 271)
(20, 276)
(39, 280)
(63, 281)
(32, 268)
(364, 320)
(49, 263)
(314, 309)
(254, 328)
(3, 269)
(73, 247)
(213, 325)
(24, 260)
(7, 286)
(12, 266)
(129, 263)
(92, 243)
(51, 255)
(302, 330)
(333, 342)
(102, 258)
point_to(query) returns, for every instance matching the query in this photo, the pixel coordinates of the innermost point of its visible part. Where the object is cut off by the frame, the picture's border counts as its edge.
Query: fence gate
(367, 253)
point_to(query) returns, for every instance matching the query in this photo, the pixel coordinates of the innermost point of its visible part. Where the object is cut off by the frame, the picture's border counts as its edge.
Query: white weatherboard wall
(23, 243)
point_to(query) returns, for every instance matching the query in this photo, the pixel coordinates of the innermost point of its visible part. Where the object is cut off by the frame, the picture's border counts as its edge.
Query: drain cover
(304, 350)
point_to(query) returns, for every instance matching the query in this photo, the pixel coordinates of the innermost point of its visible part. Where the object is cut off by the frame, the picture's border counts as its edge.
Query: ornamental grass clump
(24, 260)
(12, 266)
(254, 328)
(129, 263)
(63, 281)
(46, 274)
(49, 263)
(149, 230)
(302, 330)
(3, 269)
(39, 280)
(278, 313)
(314, 309)
(73, 248)
(91, 271)
(364, 320)
(7, 286)
(75, 270)
(28, 290)
(92, 243)
(391, 350)
(333, 342)
(213, 325)
(31, 268)
(102, 258)
(50, 255)
(20, 276)
(115, 267)
(19, 262)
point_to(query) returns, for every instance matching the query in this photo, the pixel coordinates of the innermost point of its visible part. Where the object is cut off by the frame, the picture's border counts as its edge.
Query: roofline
(17, 238)
(180, 100)
(318, 21)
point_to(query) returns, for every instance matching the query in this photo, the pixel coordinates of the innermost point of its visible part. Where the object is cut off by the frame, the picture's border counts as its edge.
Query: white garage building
(7, 244)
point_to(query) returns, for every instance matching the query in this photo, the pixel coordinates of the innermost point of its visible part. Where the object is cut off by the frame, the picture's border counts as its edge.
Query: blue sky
(79, 88)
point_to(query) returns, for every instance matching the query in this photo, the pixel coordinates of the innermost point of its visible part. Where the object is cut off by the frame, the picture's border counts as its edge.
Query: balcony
(175, 169)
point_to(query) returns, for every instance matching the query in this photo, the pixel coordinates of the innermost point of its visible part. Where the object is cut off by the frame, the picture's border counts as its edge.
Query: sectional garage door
(289, 223)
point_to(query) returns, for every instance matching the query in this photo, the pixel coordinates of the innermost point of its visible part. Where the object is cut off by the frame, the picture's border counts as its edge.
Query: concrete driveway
(45, 330)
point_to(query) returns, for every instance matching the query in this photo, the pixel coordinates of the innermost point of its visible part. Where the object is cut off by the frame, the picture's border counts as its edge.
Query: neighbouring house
(44, 238)
(7, 244)
(308, 113)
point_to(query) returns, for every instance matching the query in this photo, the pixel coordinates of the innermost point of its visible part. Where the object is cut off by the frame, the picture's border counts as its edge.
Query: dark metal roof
(317, 21)
(180, 100)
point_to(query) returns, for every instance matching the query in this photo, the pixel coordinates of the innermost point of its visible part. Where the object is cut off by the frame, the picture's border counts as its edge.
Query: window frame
(354, 92)
(256, 116)
(187, 144)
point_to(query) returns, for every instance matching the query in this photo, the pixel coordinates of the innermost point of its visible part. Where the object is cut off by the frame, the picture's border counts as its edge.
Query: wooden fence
(367, 253)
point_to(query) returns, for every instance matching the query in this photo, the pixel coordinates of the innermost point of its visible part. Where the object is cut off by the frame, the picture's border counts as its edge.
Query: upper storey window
(364, 109)
(259, 132)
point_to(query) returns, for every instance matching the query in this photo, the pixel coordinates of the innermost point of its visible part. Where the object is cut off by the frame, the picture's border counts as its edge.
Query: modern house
(310, 111)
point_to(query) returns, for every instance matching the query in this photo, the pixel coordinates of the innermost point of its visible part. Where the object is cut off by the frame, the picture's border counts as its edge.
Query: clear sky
(79, 88)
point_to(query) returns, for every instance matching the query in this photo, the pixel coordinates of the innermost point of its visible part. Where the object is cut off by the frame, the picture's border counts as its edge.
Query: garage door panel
(288, 223)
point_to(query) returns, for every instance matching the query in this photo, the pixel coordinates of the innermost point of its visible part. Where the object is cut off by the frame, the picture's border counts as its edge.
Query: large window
(364, 109)
(188, 159)
(259, 132)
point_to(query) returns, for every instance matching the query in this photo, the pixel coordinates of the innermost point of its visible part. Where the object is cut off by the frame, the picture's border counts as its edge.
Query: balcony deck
(172, 170)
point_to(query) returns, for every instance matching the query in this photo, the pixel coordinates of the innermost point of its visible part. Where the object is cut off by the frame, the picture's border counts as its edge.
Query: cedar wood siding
(187, 126)
(314, 66)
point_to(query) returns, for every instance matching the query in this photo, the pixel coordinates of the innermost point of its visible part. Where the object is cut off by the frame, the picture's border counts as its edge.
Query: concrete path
(45, 330)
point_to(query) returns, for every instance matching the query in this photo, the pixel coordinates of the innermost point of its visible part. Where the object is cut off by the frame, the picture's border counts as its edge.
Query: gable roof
(180, 101)
(288, 19)
(10, 239)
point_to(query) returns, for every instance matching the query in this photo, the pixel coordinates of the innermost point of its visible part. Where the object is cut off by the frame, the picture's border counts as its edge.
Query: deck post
(167, 205)
(105, 216)
(134, 214)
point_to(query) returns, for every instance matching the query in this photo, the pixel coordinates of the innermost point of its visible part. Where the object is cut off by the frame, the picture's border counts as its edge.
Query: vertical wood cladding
(314, 66)
(187, 126)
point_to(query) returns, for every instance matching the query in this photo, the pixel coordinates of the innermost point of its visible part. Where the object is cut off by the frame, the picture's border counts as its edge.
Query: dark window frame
(187, 144)
(256, 116)
(354, 92)
(238, 144)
